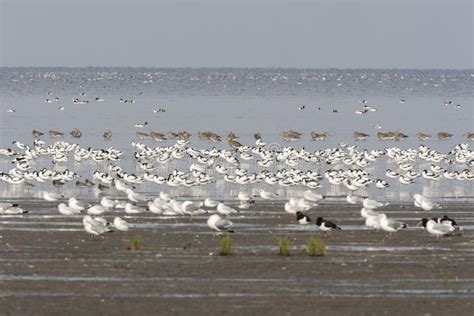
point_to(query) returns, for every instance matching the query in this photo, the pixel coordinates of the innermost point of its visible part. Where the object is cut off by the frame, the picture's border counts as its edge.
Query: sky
(418, 34)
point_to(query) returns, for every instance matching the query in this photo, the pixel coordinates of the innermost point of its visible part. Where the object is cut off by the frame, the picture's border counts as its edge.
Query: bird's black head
(299, 215)
(319, 221)
(423, 222)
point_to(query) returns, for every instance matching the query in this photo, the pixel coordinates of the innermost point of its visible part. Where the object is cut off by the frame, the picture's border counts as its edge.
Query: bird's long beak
(419, 223)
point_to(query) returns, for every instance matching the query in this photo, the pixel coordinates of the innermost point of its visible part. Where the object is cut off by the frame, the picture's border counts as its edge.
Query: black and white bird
(325, 225)
(302, 219)
(438, 229)
(445, 220)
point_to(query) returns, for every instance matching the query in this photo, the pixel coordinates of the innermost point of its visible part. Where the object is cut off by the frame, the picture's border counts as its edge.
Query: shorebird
(302, 218)
(389, 225)
(210, 136)
(318, 136)
(360, 136)
(290, 136)
(76, 205)
(107, 135)
(372, 204)
(400, 136)
(437, 229)
(234, 144)
(215, 222)
(76, 133)
(37, 134)
(224, 209)
(121, 224)
(140, 125)
(95, 226)
(385, 136)
(54, 134)
(96, 210)
(66, 210)
(326, 226)
(422, 136)
(444, 136)
(51, 196)
(172, 135)
(424, 203)
(142, 136)
(158, 137)
(210, 203)
(13, 209)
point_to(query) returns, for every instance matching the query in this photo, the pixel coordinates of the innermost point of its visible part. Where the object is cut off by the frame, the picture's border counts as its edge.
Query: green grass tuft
(316, 247)
(227, 246)
(134, 245)
(284, 245)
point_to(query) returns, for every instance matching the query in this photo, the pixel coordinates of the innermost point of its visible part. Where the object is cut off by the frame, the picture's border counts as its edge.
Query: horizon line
(245, 67)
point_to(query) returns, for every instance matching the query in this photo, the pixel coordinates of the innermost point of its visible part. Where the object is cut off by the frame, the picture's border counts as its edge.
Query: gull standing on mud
(219, 224)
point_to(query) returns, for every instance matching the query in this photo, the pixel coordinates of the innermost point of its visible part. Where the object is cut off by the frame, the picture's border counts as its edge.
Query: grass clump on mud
(227, 246)
(316, 247)
(284, 245)
(135, 244)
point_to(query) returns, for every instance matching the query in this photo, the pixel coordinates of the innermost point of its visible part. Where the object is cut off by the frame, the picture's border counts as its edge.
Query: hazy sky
(232, 33)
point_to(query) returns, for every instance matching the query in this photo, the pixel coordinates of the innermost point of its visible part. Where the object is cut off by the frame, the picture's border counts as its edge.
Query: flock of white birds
(258, 171)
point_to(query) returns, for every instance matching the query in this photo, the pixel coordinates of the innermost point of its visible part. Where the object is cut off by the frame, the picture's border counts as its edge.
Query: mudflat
(50, 266)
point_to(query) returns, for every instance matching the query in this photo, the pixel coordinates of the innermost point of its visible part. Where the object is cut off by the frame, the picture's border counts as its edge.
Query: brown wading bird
(422, 136)
(444, 136)
(102, 187)
(360, 135)
(318, 136)
(158, 137)
(231, 139)
(76, 133)
(234, 144)
(400, 136)
(81, 184)
(172, 135)
(37, 134)
(58, 183)
(183, 135)
(141, 135)
(107, 135)
(210, 136)
(470, 136)
(53, 133)
(231, 135)
(385, 136)
(290, 136)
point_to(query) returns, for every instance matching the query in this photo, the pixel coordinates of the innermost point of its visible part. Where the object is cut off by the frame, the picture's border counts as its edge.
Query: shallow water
(244, 101)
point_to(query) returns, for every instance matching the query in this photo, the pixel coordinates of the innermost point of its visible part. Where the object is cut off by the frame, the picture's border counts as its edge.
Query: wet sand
(50, 266)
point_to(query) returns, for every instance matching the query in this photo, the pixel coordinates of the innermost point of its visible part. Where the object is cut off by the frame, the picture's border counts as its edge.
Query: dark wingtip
(15, 205)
